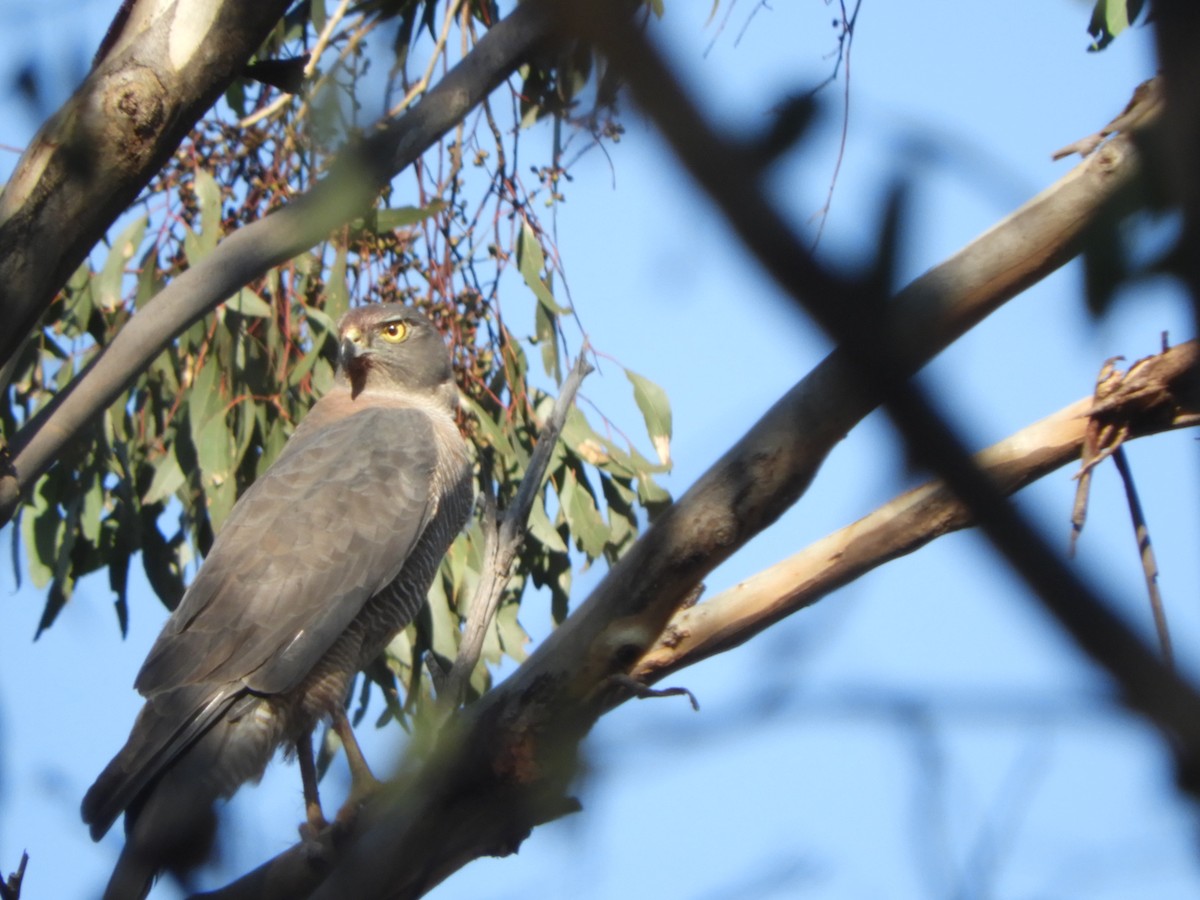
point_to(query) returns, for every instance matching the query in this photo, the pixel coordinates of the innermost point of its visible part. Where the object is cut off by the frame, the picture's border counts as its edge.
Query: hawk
(323, 560)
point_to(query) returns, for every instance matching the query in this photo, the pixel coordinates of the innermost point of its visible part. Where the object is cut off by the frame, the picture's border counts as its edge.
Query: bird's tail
(171, 827)
(167, 726)
(170, 821)
(133, 876)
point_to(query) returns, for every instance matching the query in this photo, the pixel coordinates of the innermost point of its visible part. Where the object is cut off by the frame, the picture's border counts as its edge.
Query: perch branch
(856, 316)
(523, 732)
(1160, 393)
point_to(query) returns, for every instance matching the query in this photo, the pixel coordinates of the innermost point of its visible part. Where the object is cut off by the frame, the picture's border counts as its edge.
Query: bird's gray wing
(326, 527)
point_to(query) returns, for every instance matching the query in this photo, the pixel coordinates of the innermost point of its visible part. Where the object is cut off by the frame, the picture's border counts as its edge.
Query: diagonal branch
(525, 732)
(504, 538)
(1160, 393)
(161, 68)
(503, 765)
(855, 315)
(246, 254)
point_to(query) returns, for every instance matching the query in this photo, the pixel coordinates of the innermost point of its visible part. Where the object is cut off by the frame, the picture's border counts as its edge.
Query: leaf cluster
(155, 482)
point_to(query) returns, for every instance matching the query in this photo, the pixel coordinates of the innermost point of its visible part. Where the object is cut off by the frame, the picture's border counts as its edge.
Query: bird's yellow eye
(393, 332)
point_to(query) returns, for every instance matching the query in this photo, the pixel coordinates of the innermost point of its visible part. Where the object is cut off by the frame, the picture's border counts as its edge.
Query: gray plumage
(322, 561)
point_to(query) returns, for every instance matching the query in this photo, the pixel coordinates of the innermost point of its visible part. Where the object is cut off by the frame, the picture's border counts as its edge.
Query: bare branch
(855, 314)
(159, 71)
(1163, 393)
(1143, 109)
(10, 888)
(1141, 532)
(247, 253)
(504, 764)
(504, 540)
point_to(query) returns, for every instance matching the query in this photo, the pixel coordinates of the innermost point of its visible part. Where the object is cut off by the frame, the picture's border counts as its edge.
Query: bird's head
(390, 346)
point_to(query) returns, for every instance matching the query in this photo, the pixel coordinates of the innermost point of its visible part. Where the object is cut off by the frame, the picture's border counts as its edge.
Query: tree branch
(504, 540)
(856, 316)
(1157, 394)
(350, 188)
(159, 72)
(503, 764)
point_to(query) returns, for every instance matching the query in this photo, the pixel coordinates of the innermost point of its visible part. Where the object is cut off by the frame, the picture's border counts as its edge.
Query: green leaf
(402, 216)
(547, 338)
(93, 509)
(168, 478)
(208, 198)
(40, 528)
(322, 376)
(587, 525)
(337, 295)
(118, 581)
(213, 443)
(542, 528)
(444, 620)
(1110, 18)
(656, 410)
(243, 431)
(652, 497)
(214, 454)
(108, 284)
(247, 303)
(513, 638)
(323, 321)
(530, 262)
(149, 281)
(621, 515)
(302, 368)
(276, 437)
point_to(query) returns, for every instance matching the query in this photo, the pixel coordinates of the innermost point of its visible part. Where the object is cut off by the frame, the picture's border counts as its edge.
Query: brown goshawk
(322, 561)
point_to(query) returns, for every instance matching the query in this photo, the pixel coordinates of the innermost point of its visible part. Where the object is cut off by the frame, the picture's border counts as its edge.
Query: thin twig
(439, 47)
(1099, 442)
(314, 58)
(504, 535)
(1149, 564)
(10, 889)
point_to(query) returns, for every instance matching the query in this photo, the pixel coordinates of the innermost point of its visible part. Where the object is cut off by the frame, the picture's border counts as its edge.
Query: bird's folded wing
(330, 524)
(171, 720)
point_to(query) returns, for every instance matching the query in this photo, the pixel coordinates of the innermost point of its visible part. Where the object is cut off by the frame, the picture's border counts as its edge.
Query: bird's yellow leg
(315, 819)
(363, 783)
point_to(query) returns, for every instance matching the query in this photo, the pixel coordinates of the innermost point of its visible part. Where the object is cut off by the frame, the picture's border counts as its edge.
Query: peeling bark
(1156, 394)
(159, 73)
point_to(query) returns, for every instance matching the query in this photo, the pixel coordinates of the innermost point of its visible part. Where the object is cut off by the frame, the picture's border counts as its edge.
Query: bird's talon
(315, 844)
(362, 794)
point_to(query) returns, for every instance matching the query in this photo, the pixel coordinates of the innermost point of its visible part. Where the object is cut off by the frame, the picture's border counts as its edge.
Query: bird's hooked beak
(354, 357)
(353, 350)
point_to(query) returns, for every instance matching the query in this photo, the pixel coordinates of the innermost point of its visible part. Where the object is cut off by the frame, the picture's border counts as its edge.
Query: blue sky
(922, 733)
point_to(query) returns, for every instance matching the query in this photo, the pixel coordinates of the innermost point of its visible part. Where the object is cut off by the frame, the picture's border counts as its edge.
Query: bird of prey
(322, 561)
